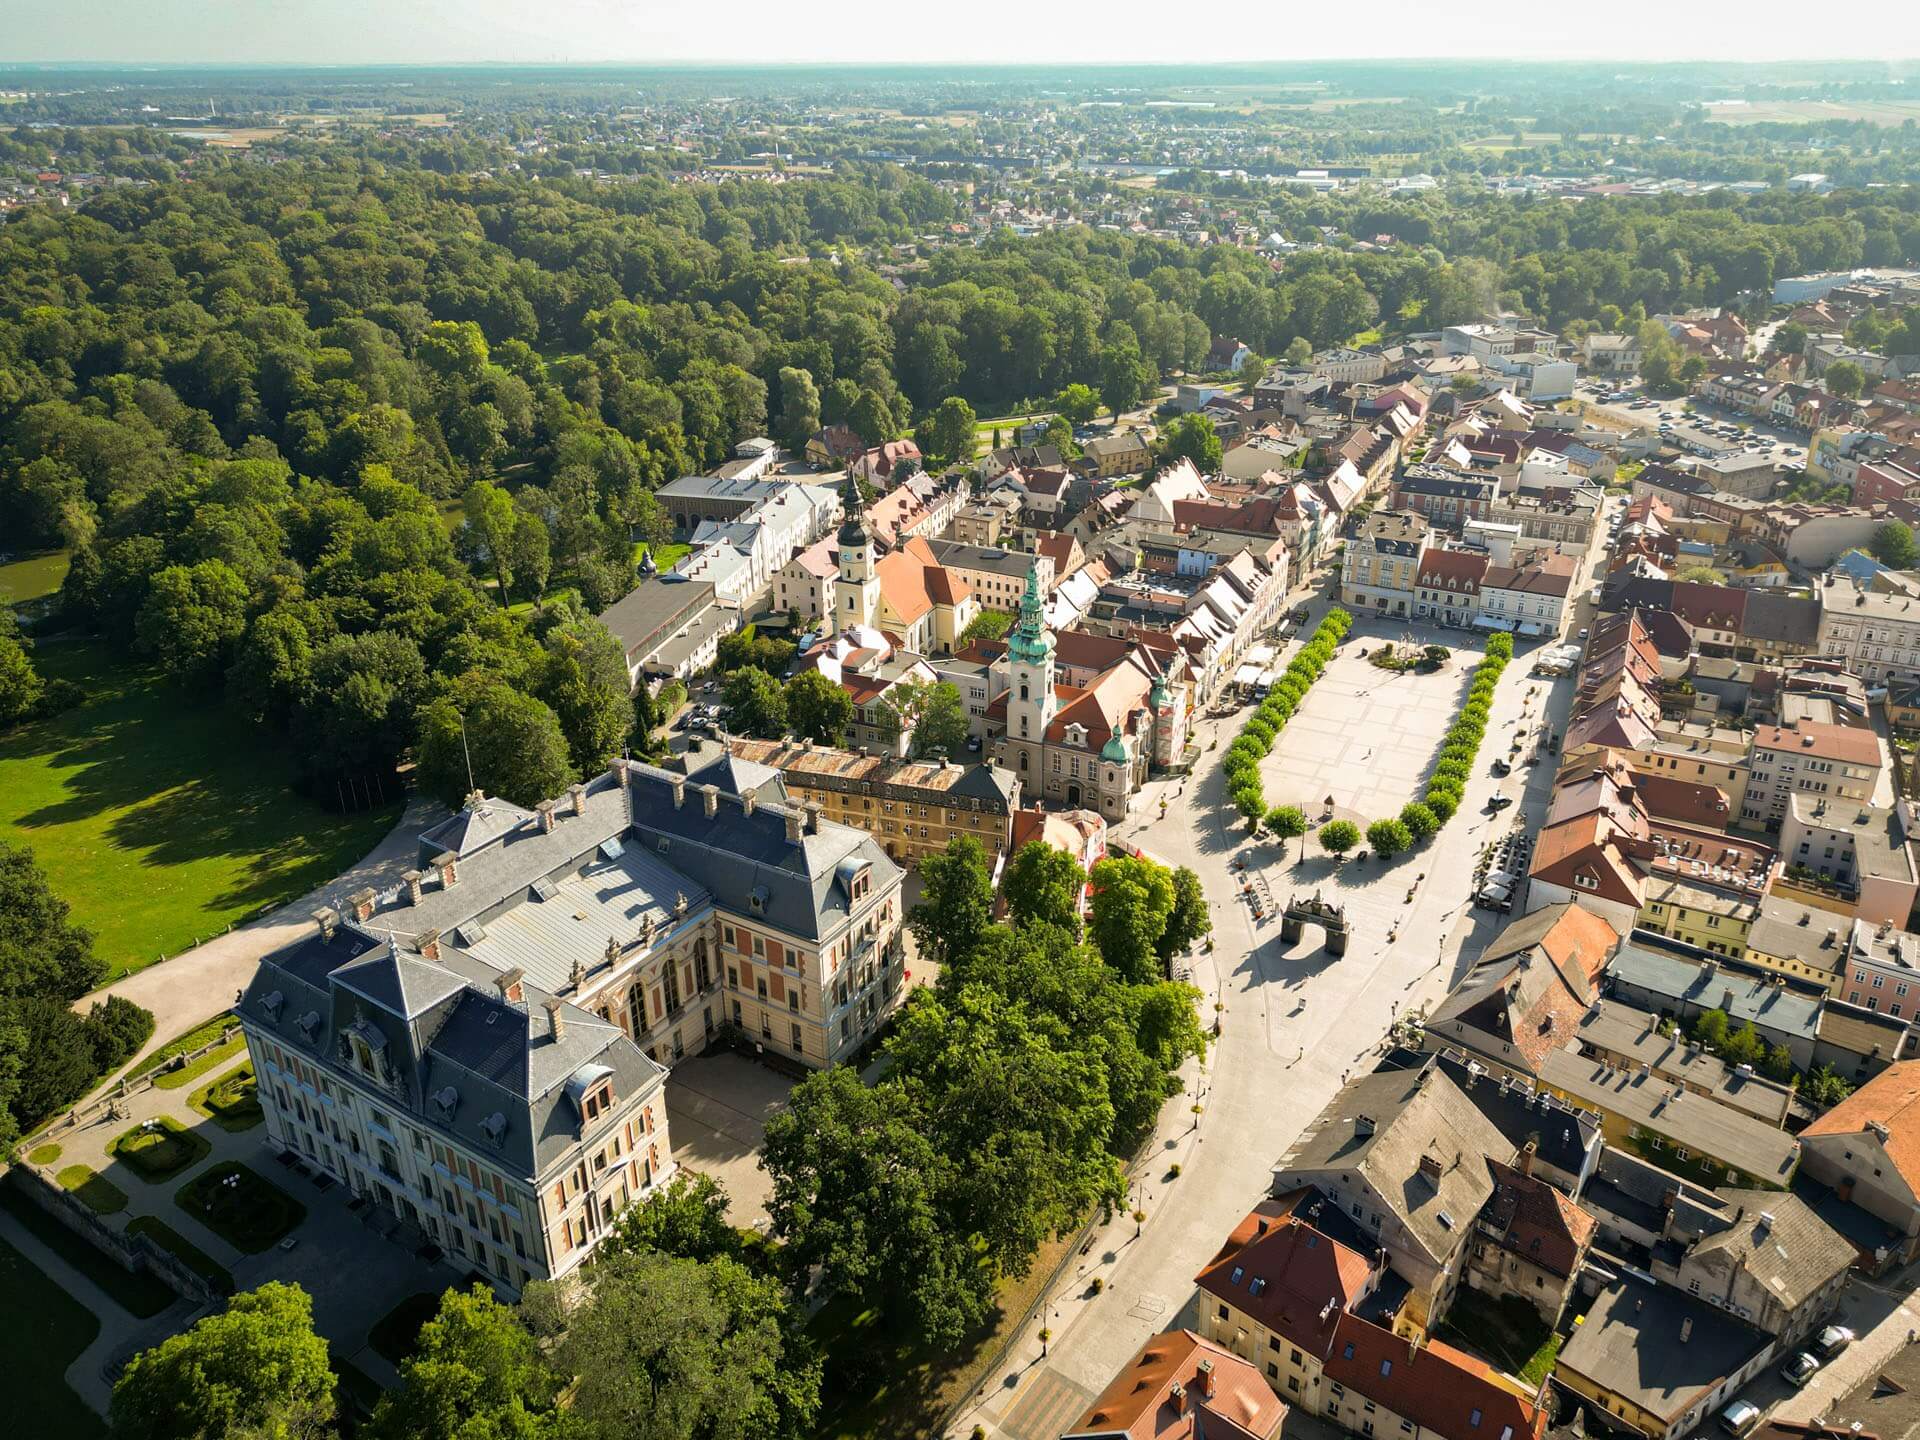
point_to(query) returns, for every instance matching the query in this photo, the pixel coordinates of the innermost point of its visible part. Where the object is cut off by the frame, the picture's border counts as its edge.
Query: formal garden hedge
(1255, 741)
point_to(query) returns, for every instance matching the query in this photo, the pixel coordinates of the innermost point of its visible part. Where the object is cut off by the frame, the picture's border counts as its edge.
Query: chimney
(556, 1022)
(578, 794)
(623, 774)
(1527, 1152)
(1430, 1167)
(545, 811)
(710, 800)
(1206, 1378)
(448, 864)
(1178, 1395)
(746, 802)
(429, 943)
(327, 918)
(361, 904)
(413, 878)
(1363, 1125)
(813, 818)
(1686, 1330)
(679, 784)
(509, 987)
(796, 826)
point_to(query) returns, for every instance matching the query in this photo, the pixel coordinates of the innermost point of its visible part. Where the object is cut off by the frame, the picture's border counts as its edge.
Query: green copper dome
(1030, 643)
(1115, 750)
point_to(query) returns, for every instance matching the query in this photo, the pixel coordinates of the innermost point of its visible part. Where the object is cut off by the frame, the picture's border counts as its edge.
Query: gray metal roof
(1630, 1344)
(1743, 996)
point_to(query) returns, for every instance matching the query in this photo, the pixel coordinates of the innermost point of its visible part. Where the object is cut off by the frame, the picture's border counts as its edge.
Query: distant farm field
(1799, 112)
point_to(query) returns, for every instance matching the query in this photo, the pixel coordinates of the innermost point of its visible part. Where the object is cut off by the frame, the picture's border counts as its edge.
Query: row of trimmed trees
(1255, 741)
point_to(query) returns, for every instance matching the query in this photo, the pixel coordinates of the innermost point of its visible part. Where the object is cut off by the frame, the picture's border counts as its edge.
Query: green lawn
(232, 1102)
(1507, 1331)
(42, 1331)
(160, 1149)
(201, 1034)
(30, 577)
(194, 1069)
(664, 556)
(250, 1213)
(96, 1192)
(136, 1292)
(189, 1254)
(44, 1154)
(159, 818)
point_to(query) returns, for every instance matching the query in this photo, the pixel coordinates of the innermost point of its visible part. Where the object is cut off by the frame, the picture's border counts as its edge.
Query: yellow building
(1699, 915)
(912, 807)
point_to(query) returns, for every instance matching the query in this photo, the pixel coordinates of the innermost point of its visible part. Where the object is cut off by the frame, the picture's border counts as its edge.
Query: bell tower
(1030, 698)
(857, 591)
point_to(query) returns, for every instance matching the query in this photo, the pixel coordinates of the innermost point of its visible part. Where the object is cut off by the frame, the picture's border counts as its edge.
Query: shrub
(1420, 821)
(116, 1028)
(1441, 806)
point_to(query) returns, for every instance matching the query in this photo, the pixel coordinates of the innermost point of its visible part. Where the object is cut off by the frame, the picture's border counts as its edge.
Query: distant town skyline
(759, 31)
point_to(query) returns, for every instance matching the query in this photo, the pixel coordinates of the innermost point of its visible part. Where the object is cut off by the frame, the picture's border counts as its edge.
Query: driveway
(198, 984)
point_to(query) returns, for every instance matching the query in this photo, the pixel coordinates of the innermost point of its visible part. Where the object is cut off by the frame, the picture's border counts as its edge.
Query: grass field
(96, 1192)
(159, 818)
(43, 1331)
(161, 1148)
(243, 1209)
(1891, 113)
(664, 556)
(29, 577)
(232, 1102)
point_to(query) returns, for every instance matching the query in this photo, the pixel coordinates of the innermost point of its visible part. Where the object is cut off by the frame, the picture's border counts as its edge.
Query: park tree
(583, 679)
(1421, 822)
(872, 419)
(1893, 546)
(193, 619)
(756, 705)
(1299, 353)
(487, 535)
(512, 741)
(1189, 920)
(256, 1367)
(1286, 822)
(1337, 837)
(687, 1219)
(20, 685)
(1789, 339)
(953, 430)
(1192, 437)
(799, 407)
(662, 1348)
(818, 709)
(1845, 379)
(1125, 378)
(932, 717)
(1078, 402)
(956, 901)
(859, 1190)
(475, 1373)
(1133, 899)
(1042, 884)
(1389, 837)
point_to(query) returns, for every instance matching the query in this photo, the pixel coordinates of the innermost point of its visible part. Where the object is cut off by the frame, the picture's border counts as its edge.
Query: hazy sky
(423, 31)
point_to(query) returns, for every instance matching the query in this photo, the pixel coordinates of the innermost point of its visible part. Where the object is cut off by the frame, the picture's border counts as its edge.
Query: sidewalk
(197, 985)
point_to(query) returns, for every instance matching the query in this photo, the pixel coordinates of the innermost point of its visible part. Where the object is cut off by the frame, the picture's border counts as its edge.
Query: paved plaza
(717, 1111)
(1364, 735)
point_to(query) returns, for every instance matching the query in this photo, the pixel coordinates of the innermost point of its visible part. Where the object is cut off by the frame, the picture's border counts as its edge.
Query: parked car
(1831, 1341)
(1499, 802)
(1799, 1369)
(1501, 768)
(1740, 1418)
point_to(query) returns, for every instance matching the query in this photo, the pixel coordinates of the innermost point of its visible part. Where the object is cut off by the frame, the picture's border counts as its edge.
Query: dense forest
(309, 428)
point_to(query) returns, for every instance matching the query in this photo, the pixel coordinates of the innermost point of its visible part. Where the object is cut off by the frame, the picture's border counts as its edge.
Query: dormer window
(599, 1100)
(493, 1129)
(271, 1003)
(446, 1100)
(309, 1025)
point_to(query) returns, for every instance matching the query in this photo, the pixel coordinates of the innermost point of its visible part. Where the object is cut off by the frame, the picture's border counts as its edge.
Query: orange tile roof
(1436, 1386)
(1892, 1099)
(1141, 1403)
(1845, 743)
(1287, 1275)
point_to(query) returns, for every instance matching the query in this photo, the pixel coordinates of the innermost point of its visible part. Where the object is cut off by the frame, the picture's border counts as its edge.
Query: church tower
(856, 595)
(1030, 698)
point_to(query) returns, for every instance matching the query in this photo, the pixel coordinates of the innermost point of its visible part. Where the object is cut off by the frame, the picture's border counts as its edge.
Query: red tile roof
(1892, 1099)
(1161, 1394)
(1536, 1222)
(1460, 570)
(1436, 1386)
(1287, 1275)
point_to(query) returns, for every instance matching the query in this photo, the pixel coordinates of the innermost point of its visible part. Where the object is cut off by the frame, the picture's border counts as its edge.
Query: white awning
(1491, 622)
(1527, 627)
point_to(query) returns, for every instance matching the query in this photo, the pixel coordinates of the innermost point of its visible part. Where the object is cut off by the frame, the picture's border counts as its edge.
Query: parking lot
(1626, 403)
